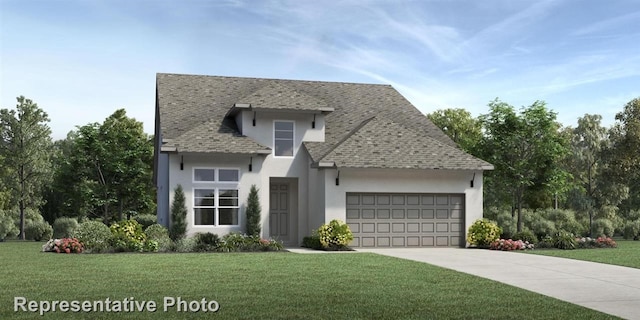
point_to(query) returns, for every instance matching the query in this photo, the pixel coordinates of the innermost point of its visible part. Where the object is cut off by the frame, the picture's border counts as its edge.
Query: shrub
(146, 220)
(64, 245)
(542, 227)
(38, 230)
(335, 234)
(234, 242)
(510, 245)
(8, 228)
(178, 228)
(507, 223)
(546, 243)
(483, 232)
(526, 236)
(63, 227)
(312, 242)
(128, 236)
(94, 235)
(603, 227)
(564, 240)
(160, 234)
(600, 242)
(206, 242)
(184, 245)
(253, 212)
(631, 230)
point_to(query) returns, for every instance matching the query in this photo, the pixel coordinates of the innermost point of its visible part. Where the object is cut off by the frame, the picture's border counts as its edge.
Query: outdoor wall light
(181, 162)
(254, 118)
(313, 123)
(473, 179)
(338, 179)
(250, 164)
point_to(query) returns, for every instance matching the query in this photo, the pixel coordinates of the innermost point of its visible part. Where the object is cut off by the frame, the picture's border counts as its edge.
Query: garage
(406, 220)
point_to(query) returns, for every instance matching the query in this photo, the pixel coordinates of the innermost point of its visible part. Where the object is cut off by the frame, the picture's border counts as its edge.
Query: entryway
(283, 204)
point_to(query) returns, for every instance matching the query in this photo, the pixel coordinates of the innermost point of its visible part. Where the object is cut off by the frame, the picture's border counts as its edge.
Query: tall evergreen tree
(253, 212)
(25, 146)
(178, 226)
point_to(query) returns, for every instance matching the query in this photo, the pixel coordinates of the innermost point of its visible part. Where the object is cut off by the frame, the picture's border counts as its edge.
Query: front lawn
(267, 286)
(626, 254)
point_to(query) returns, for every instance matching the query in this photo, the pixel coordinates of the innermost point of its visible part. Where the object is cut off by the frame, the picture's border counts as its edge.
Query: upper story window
(283, 133)
(215, 175)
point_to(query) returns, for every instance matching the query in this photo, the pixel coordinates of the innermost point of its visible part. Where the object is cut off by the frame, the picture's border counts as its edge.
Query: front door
(279, 211)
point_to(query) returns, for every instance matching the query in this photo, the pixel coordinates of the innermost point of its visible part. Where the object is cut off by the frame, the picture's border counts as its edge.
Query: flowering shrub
(600, 242)
(334, 234)
(128, 236)
(483, 232)
(64, 245)
(510, 245)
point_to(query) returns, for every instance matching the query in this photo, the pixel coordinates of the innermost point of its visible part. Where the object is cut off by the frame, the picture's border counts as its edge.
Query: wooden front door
(279, 211)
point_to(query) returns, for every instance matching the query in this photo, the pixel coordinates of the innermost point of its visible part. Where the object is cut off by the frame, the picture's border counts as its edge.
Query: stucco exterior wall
(402, 181)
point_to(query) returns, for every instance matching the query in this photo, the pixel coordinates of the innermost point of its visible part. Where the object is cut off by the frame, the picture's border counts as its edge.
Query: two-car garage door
(406, 220)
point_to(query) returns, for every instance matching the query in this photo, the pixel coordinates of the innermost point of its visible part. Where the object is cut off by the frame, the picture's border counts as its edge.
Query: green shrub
(8, 228)
(128, 236)
(542, 227)
(160, 234)
(253, 212)
(206, 242)
(38, 230)
(146, 220)
(632, 230)
(95, 236)
(184, 245)
(335, 234)
(312, 242)
(63, 227)
(526, 235)
(507, 223)
(546, 243)
(235, 242)
(483, 232)
(564, 240)
(178, 226)
(603, 227)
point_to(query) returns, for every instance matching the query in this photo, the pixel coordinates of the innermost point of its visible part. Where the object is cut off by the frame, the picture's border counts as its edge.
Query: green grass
(626, 254)
(267, 286)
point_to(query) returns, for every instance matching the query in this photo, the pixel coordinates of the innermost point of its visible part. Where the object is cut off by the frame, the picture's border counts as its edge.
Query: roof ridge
(348, 135)
(272, 79)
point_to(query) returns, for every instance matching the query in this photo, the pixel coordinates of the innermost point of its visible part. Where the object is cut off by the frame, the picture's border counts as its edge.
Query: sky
(82, 60)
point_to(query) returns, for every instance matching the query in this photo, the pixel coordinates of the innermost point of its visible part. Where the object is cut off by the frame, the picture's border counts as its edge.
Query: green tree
(621, 157)
(253, 212)
(524, 148)
(587, 142)
(460, 126)
(104, 170)
(25, 147)
(178, 224)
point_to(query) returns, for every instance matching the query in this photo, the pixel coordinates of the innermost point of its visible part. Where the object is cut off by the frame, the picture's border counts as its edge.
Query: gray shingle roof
(192, 111)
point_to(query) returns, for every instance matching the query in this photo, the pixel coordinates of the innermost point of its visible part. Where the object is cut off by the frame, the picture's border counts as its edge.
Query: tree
(621, 156)
(25, 147)
(524, 148)
(460, 126)
(178, 223)
(106, 170)
(253, 212)
(587, 142)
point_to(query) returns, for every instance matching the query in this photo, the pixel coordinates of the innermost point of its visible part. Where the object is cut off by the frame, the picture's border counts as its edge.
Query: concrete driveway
(607, 288)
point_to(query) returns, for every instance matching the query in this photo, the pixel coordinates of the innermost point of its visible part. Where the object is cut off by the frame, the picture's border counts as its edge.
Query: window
(215, 207)
(283, 138)
(215, 203)
(215, 175)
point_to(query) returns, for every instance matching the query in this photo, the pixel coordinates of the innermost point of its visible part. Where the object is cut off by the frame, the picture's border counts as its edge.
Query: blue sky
(82, 60)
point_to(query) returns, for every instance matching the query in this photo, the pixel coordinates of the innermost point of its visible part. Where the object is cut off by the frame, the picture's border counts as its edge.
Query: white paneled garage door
(406, 220)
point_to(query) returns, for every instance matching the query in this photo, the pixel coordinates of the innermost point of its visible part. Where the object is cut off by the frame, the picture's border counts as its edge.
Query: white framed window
(215, 207)
(209, 175)
(283, 136)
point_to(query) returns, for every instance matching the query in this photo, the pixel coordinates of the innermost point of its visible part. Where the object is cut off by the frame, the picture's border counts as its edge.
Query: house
(317, 151)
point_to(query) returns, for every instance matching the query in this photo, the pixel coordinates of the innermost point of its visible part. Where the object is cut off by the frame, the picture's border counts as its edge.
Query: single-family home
(317, 151)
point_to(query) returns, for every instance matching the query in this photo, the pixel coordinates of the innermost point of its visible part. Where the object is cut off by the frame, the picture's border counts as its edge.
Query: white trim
(293, 139)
